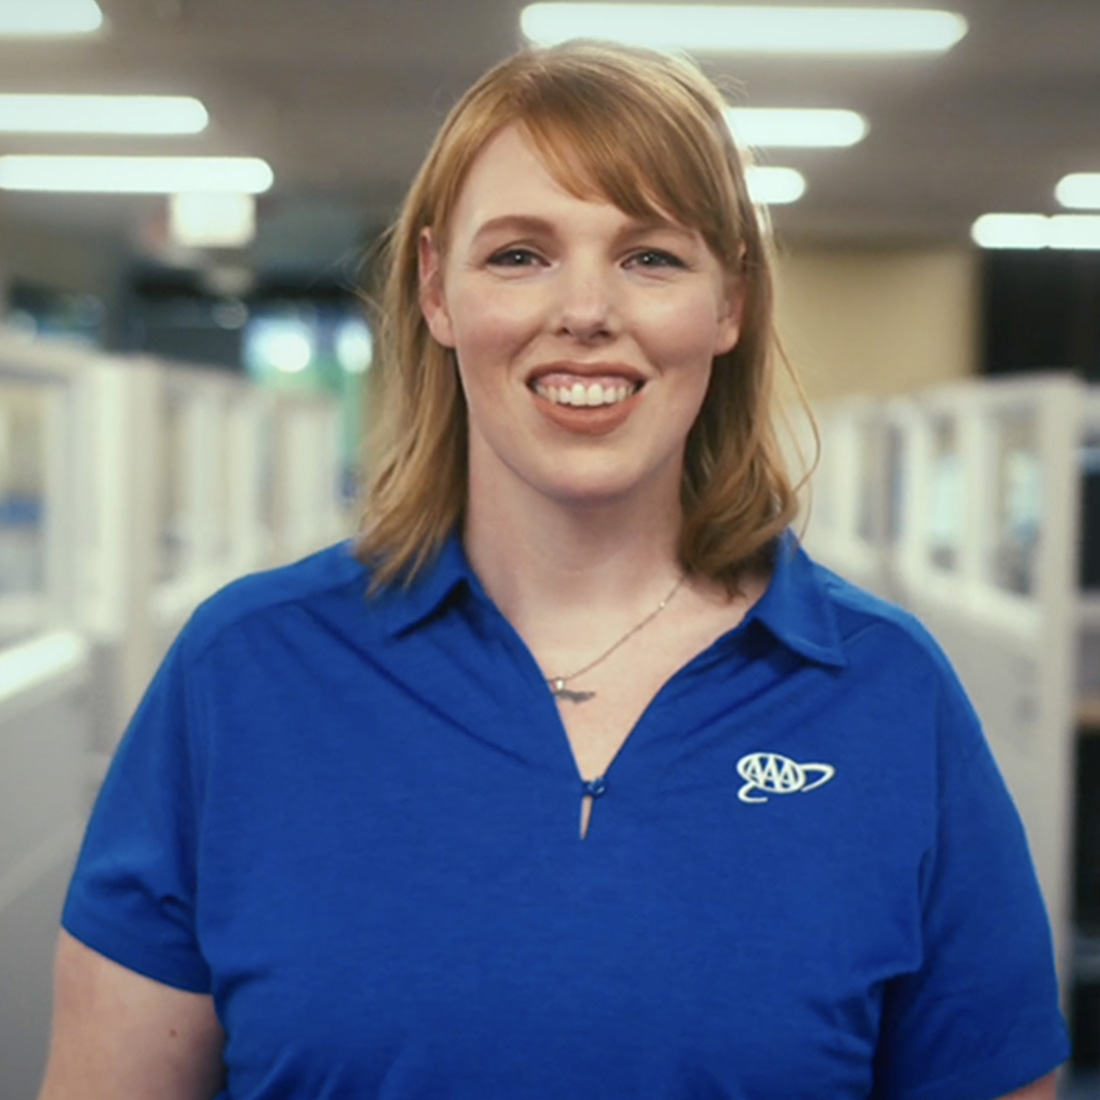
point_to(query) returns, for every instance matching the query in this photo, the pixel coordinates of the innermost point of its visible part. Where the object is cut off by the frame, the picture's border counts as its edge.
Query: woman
(604, 788)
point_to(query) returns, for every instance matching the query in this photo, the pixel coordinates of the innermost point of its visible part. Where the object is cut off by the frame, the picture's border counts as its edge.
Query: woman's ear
(433, 302)
(732, 310)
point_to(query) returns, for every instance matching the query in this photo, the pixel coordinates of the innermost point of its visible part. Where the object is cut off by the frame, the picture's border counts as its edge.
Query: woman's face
(584, 337)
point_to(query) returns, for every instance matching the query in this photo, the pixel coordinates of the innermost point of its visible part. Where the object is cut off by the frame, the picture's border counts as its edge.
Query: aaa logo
(769, 773)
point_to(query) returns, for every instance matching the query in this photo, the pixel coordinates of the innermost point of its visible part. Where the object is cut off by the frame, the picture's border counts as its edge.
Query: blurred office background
(183, 352)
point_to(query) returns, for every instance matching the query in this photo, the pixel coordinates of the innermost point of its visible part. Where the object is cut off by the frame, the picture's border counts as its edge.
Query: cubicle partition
(129, 490)
(246, 480)
(45, 676)
(849, 498)
(966, 507)
(987, 558)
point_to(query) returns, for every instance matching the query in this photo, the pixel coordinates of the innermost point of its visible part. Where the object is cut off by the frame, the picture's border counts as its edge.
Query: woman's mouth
(594, 403)
(587, 393)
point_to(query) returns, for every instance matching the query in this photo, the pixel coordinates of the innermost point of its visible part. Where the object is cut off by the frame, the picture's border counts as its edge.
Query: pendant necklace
(557, 683)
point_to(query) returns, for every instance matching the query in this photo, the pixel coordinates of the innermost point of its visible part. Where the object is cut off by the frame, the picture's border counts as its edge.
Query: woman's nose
(586, 306)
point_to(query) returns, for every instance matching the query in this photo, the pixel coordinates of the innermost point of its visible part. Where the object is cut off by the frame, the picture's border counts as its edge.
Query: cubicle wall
(241, 479)
(129, 491)
(45, 676)
(964, 504)
(850, 496)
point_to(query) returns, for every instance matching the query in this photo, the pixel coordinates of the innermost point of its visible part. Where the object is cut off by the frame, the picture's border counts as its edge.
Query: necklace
(557, 683)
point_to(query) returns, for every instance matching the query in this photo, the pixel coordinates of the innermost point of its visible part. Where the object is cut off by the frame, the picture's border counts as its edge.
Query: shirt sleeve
(132, 896)
(980, 1017)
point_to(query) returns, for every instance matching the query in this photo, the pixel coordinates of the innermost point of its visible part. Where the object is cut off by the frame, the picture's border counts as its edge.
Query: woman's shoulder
(331, 579)
(866, 619)
(893, 664)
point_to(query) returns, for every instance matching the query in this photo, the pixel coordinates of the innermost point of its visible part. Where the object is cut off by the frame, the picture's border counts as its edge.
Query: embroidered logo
(769, 773)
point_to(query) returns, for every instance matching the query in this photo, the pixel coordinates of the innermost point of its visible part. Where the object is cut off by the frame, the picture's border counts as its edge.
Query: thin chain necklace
(557, 683)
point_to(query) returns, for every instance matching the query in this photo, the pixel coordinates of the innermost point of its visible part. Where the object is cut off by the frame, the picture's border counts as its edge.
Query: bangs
(649, 166)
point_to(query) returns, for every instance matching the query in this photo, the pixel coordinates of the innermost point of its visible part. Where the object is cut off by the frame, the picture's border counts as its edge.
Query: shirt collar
(795, 609)
(405, 607)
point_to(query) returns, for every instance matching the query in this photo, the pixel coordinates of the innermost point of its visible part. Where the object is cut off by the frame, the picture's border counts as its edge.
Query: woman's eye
(513, 257)
(655, 257)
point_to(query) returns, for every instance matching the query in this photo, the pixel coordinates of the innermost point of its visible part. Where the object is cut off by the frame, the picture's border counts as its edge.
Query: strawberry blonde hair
(646, 132)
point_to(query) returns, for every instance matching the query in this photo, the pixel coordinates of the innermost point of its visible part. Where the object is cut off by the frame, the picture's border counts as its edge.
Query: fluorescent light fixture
(775, 186)
(49, 17)
(755, 29)
(219, 220)
(1011, 231)
(762, 127)
(101, 114)
(135, 175)
(1080, 190)
(1034, 231)
(1077, 231)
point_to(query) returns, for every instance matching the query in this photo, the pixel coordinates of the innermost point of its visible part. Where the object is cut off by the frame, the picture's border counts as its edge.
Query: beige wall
(878, 320)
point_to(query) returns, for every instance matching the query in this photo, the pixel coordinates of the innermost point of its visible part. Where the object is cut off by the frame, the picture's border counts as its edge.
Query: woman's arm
(120, 1036)
(1043, 1089)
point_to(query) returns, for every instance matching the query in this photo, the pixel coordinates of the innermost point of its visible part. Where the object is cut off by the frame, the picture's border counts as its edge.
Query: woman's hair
(646, 132)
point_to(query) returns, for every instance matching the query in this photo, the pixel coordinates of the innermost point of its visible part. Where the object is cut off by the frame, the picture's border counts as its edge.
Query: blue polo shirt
(355, 823)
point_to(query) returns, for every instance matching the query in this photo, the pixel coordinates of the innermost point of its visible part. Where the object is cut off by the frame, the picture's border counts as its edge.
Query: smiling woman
(572, 774)
(646, 147)
(584, 337)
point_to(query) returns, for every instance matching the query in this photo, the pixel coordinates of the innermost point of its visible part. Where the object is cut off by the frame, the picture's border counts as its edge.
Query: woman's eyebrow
(514, 223)
(533, 225)
(657, 225)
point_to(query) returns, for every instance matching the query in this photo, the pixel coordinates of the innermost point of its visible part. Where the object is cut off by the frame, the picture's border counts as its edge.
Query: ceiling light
(1075, 231)
(224, 219)
(1080, 190)
(101, 114)
(135, 175)
(1033, 231)
(762, 127)
(775, 186)
(712, 27)
(1011, 231)
(49, 17)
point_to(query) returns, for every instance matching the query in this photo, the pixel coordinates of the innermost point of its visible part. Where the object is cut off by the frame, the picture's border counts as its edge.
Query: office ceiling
(342, 98)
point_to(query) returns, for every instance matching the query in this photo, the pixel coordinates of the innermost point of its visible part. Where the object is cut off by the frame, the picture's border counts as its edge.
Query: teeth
(579, 395)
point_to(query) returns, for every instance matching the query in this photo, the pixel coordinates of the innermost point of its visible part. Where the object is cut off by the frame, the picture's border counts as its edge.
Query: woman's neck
(542, 560)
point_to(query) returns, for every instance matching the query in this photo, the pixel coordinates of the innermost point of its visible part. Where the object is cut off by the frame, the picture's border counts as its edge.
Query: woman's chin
(590, 490)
